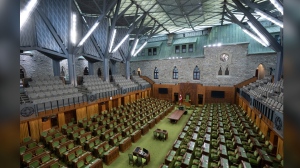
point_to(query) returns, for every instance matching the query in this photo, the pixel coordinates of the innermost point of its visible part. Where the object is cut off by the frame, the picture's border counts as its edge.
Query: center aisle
(158, 149)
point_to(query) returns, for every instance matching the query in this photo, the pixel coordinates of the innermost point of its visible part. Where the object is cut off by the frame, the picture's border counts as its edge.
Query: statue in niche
(220, 71)
(62, 72)
(227, 71)
(86, 71)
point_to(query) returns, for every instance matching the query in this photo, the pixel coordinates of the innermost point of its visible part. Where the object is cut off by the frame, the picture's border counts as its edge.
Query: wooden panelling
(81, 113)
(69, 115)
(46, 125)
(229, 94)
(280, 147)
(92, 110)
(110, 106)
(102, 107)
(188, 89)
(61, 119)
(126, 99)
(132, 98)
(34, 129)
(169, 96)
(24, 132)
(119, 102)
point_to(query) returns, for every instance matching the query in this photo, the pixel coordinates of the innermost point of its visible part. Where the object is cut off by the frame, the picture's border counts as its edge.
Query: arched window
(99, 72)
(175, 73)
(196, 74)
(227, 71)
(220, 71)
(86, 71)
(155, 73)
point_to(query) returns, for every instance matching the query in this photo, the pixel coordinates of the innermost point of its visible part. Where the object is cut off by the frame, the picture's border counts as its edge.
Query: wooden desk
(197, 129)
(224, 162)
(170, 156)
(222, 139)
(234, 131)
(185, 129)
(256, 143)
(191, 146)
(145, 129)
(139, 152)
(221, 130)
(209, 123)
(157, 119)
(265, 158)
(199, 122)
(208, 130)
(206, 148)
(194, 137)
(162, 131)
(175, 116)
(246, 164)
(223, 151)
(238, 141)
(176, 144)
(204, 161)
(49, 163)
(186, 160)
(135, 136)
(125, 144)
(97, 163)
(151, 123)
(182, 135)
(111, 155)
(242, 153)
(207, 138)
(250, 132)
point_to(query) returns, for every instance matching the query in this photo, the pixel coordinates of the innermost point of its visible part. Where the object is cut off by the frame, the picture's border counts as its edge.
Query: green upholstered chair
(45, 158)
(253, 156)
(213, 164)
(177, 164)
(22, 149)
(233, 159)
(89, 159)
(194, 166)
(32, 145)
(97, 142)
(80, 164)
(162, 136)
(215, 156)
(255, 162)
(27, 157)
(100, 152)
(61, 151)
(132, 159)
(106, 147)
(140, 161)
(79, 152)
(27, 139)
(39, 151)
(195, 162)
(187, 98)
(34, 164)
(232, 153)
(178, 158)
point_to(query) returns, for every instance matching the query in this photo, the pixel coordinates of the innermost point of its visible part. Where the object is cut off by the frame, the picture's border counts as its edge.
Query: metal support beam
(91, 68)
(56, 67)
(113, 67)
(273, 43)
(71, 56)
(53, 31)
(279, 67)
(222, 19)
(106, 69)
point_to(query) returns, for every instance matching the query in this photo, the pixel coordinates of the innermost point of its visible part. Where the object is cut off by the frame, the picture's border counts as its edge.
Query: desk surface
(206, 148)
(204, 161)
(176, 115)
(264, 156)
(224, 162)
(246, 164)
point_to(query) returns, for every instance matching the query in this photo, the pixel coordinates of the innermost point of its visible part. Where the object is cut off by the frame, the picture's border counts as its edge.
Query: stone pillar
(127, 70)
(91, 68)
(106, 69)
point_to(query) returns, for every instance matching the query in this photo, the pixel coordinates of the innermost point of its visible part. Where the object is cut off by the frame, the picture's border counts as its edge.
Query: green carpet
(157, 149)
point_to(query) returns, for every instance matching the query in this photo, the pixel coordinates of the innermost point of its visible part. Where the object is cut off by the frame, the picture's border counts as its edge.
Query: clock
(224, 57)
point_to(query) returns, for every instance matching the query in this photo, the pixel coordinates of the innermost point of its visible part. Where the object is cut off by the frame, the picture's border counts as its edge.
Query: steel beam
(56, 67)
(53, 31)
(273, 43)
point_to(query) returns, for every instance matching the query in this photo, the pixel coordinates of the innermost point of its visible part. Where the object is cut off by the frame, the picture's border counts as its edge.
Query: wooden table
(204, 161)
(224, 162)
(139, 152)
(175, 116)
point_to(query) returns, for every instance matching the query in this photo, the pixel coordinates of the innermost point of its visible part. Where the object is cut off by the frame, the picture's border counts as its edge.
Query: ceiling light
(140, 49)
(204, 46)
(254, 37)
(26, 12)
(262, 37)
(88, 33)
(270, 18)
(134, 46)
(209, 45)
(112, 40)
(219, 44)
(277, 5)
(214, 45)
(122, 41)
(73, 29)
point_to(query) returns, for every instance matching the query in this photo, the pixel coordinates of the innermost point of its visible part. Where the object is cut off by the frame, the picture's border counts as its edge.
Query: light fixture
(219, 44)
(209, 45)
(254, 37)
(112, 40)
(134, 46)
(27, 11)
(140, 48)
(214, 45)
(73, 29)
(81, 58)
(173, 57)
(261, 36)
(88, 33)
(277, 5)
(268, 17)
(121, 42)
(204, 46)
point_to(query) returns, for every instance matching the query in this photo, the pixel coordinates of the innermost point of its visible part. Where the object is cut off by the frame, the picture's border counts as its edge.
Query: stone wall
(241, 66)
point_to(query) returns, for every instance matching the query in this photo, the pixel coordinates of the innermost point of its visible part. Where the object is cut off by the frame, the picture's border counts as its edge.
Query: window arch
(196, 73)
(175, 73)
(220, 71)
(99, 73)
(155, 73)
(227, 71)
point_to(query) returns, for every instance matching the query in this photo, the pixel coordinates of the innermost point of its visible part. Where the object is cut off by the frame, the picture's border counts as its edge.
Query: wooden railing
(146, 78)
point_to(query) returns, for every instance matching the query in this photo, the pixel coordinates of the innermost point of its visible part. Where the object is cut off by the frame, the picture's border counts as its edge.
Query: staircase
(24, 98)
(146, 78)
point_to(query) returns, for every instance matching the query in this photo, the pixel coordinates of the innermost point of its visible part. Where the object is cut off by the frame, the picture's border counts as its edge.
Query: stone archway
(260, 71)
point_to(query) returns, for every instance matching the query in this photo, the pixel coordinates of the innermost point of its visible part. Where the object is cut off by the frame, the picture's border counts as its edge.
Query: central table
(175, 116)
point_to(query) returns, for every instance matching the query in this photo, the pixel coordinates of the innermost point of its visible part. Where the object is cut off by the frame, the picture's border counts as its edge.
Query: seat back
(55, 165)
(46, 158)
(27, 156)
(89, 158)
(79, 152)
(34, 164)
(71, 157)
(80, 164)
